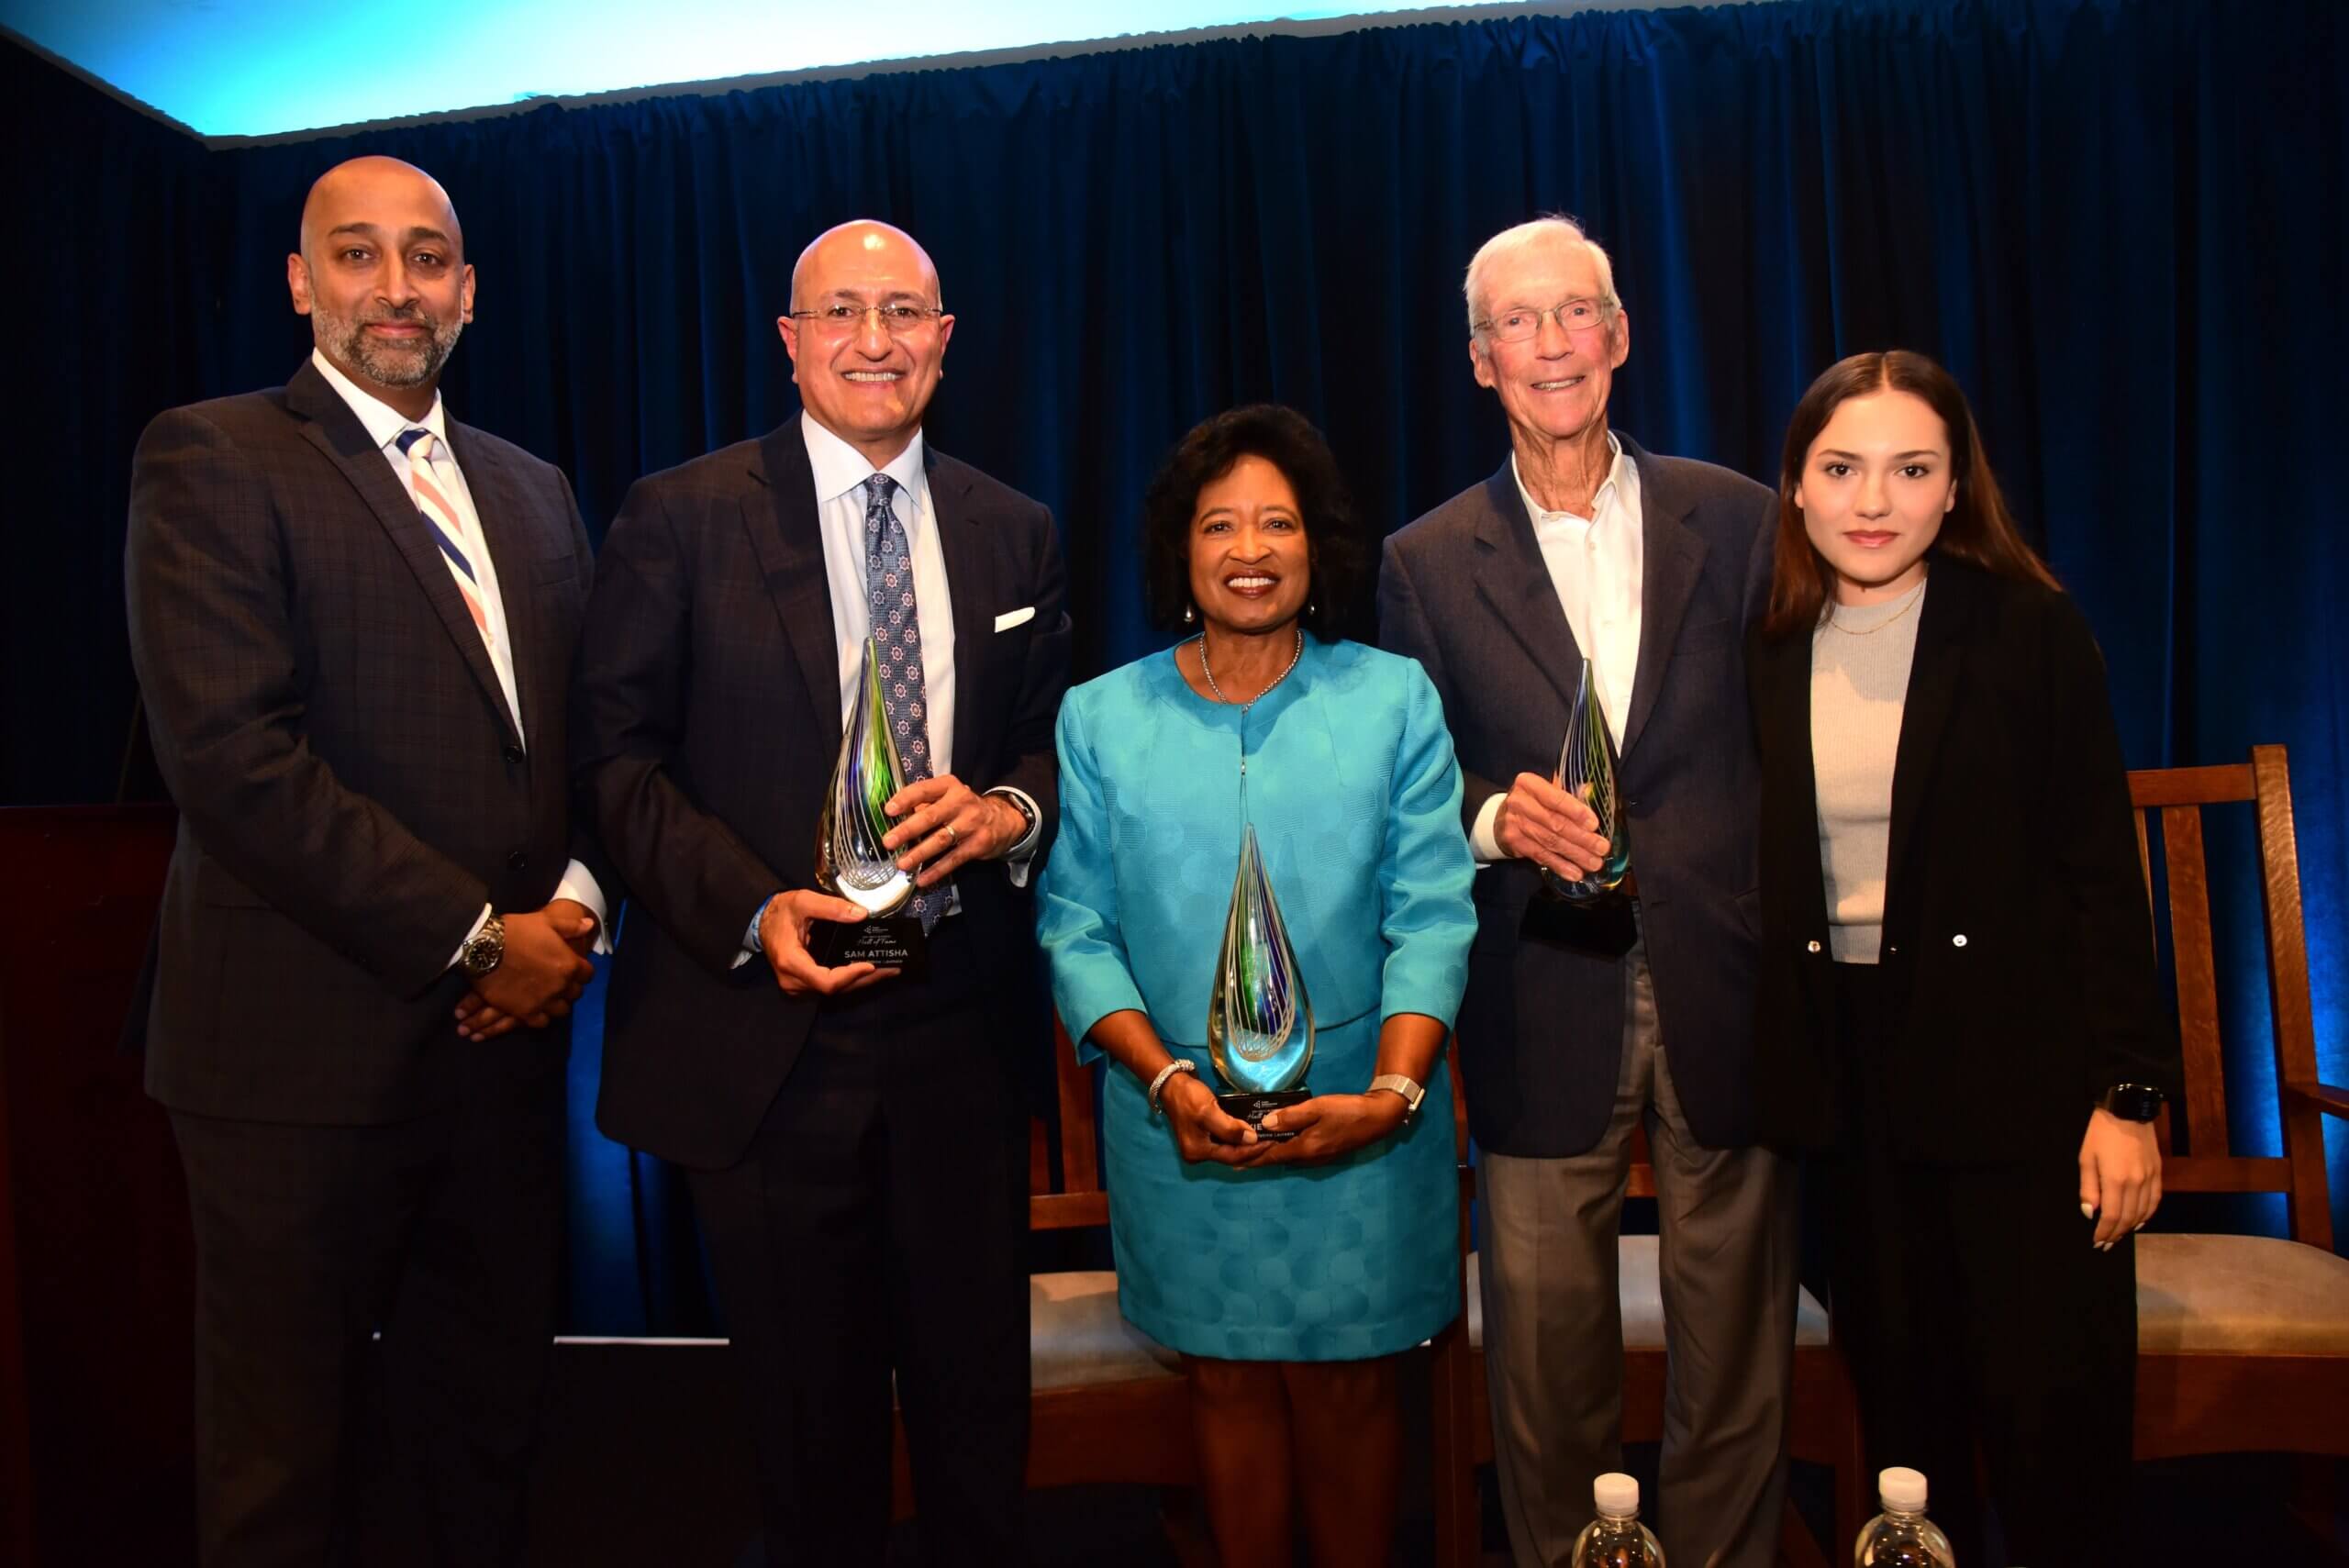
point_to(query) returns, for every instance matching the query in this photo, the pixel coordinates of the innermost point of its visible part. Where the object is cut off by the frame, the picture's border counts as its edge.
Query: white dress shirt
(1595, 564)
(384, 424)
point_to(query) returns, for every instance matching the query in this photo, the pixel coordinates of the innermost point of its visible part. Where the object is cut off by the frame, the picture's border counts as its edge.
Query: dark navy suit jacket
(708, 720)
(1464, 591)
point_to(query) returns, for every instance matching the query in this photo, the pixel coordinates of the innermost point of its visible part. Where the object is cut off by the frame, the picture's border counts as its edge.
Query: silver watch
(1412, 1090)
(486, 949)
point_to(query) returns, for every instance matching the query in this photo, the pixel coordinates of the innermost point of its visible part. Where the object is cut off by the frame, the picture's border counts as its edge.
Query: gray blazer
(1464, 591)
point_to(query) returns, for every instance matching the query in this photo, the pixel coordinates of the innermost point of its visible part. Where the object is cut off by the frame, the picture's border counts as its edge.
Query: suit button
(517, 860)
(1813, 946)
(1891, 948)
(1958, 941)
(513, 754)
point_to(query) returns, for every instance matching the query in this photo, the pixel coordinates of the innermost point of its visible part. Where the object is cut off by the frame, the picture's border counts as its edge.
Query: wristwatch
(486, 949)
(2133, 1101)
(1412, 1090)
(1027, 812)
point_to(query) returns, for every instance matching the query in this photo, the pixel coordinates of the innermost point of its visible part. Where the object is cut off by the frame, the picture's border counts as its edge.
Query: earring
(1189, 614)
(1311, 606)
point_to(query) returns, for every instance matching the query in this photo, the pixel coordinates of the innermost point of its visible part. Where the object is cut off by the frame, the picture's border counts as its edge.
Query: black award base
(893, 942)
(1253, 1108)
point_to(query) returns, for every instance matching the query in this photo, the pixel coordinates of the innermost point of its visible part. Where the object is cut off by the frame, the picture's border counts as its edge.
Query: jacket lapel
(1672, 557)
(787, 541)
(335, 430)
(1782, 715)
(1515, 581)
(963, 542)
(1933, 672)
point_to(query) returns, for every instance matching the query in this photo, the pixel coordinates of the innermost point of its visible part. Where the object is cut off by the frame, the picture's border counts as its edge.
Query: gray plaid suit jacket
(351, 785)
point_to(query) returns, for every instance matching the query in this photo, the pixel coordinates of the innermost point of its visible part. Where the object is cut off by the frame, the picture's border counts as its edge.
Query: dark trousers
(878, 1223)
(442, 1234)
(1975, 1311)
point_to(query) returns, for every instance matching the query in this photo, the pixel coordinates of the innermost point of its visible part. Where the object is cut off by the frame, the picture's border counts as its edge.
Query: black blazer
(1464, 591)
(2018, 940)
(352, 786)
(708, 721)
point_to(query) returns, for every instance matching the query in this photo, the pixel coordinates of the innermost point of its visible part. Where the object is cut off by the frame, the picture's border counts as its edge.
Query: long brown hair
(1978, 530)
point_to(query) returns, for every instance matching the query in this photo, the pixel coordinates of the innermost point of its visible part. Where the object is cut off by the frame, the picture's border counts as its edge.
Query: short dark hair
(1340, 552)
(1978, 530)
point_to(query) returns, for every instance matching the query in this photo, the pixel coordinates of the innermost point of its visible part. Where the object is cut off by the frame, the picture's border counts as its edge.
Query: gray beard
(387, 364)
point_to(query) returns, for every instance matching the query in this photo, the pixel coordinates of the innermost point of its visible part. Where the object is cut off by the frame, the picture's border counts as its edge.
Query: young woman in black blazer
(1959, 1015)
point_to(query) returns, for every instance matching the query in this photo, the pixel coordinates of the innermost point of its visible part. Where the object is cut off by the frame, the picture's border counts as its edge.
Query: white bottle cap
(1616, 1494)
(1901, 1489)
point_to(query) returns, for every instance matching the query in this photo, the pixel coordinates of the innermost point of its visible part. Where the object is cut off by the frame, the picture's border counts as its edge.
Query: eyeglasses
(897, 319)
(1517, 325)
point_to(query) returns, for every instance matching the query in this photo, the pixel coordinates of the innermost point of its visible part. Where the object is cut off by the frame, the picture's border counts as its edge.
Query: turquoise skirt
(1343, 1261)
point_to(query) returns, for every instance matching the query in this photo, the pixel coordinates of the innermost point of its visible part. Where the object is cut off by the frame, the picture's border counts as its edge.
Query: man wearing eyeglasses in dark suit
(854, 1136)
(1583, 1023)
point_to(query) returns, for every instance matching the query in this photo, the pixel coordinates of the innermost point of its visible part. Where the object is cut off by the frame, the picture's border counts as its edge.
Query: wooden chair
(1824, 1426)
(1107, 1404)
(2243, 1341)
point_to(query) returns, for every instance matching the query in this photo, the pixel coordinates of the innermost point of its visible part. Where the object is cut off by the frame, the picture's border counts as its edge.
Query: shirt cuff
(752, 946)
(1020, 858)
(1484, 842)
(479, 921)
(579, 884)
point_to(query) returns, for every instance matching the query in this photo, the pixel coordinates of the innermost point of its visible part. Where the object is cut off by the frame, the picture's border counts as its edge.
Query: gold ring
(952, 837)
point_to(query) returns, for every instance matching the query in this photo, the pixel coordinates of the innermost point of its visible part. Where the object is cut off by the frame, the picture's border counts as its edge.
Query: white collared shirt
(384, 425)
(1596, 567)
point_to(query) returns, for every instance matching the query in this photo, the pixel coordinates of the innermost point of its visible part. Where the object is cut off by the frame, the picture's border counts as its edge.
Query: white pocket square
(1010, 618)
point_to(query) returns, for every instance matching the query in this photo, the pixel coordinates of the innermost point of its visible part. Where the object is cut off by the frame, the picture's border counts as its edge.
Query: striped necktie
(448, 528)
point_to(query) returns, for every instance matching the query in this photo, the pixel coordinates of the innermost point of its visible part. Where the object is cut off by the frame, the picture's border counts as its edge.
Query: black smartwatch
(2133, 1101)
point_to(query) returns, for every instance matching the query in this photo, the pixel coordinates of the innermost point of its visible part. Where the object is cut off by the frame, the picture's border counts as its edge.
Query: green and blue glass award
(1586, 771)
(849, 861)
(1260, 1026)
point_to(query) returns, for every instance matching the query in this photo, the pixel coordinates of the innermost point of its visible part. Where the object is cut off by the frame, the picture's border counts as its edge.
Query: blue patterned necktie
(896, 629)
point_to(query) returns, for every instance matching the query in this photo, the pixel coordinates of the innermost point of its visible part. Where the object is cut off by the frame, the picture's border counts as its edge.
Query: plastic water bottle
(1901, 1536)
(1615, 1539)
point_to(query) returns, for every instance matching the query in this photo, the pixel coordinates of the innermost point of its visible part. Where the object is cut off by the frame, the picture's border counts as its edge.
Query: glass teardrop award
(1586, 772)
(849, 861)
(1260, 1027)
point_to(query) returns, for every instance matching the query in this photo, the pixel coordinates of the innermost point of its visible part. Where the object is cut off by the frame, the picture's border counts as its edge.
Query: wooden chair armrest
(2323, 1097)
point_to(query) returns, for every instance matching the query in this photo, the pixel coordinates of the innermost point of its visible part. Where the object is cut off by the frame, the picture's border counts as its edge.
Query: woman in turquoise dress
(1290, 1273)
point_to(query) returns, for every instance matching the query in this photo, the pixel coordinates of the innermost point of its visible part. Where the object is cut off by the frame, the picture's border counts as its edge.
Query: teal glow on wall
(268, 67)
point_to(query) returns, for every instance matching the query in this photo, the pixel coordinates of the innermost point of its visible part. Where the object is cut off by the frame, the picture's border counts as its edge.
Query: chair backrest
(2197, 1157)
(1076, 1198)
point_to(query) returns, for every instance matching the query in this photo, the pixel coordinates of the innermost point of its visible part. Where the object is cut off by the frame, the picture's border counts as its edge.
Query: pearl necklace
(1298, 653)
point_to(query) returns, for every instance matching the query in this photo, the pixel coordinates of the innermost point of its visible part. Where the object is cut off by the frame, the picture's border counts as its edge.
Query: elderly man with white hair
(1587, 1019)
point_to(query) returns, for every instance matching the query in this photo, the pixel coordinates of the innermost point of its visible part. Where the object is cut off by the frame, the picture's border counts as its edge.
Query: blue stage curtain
(2122, 223)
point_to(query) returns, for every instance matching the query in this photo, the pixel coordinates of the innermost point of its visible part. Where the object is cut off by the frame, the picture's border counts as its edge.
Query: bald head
(375, 184)
(867, 335)
(863, 248)
(382, 275)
